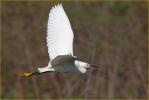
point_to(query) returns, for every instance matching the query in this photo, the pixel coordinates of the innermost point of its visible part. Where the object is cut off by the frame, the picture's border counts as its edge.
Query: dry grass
(112, 34)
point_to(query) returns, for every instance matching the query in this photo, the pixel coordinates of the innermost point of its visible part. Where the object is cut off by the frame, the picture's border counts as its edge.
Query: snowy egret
(60, 46)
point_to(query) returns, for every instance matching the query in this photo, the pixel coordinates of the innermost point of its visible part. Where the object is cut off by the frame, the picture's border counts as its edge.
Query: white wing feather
(59, 33)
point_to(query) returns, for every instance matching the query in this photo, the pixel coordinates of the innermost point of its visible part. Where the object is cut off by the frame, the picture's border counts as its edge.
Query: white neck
(80, 64)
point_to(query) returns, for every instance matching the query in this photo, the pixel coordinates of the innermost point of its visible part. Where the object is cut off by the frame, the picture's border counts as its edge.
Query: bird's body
(73, 67)
(64, 64)
(60, 46)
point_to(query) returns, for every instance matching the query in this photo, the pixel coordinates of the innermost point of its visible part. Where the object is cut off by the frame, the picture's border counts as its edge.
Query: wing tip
(60, 4)
(55, 7)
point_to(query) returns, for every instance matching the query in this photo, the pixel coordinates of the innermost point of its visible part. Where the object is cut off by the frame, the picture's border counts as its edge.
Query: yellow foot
(24, 74)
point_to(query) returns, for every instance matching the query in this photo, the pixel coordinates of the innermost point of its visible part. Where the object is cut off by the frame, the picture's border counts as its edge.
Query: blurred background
(110, 34)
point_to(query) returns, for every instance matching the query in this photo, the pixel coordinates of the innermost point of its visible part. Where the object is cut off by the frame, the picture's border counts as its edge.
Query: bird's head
(84, 64)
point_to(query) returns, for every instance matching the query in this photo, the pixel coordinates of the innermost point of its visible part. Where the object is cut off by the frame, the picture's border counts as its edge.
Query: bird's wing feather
(59, 33)
(63, 60)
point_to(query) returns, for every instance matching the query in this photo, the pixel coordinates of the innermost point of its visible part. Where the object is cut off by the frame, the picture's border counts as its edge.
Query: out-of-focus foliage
(110, 34)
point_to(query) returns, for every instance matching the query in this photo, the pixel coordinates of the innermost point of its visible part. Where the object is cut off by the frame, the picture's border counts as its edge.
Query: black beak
(94, 66)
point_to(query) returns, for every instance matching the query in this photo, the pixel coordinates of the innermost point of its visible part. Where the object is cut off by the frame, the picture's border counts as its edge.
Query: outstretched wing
(59, 33)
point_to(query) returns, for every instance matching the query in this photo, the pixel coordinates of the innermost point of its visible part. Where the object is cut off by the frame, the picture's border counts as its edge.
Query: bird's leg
(27, 74)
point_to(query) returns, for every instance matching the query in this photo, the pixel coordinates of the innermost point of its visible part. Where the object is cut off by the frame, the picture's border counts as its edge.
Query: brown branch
(88, 82)
(29, 62)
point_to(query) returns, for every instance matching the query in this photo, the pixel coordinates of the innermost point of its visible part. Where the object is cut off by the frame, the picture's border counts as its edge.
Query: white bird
(60, 46)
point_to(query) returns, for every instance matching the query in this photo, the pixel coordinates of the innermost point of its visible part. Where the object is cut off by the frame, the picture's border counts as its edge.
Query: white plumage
(59, 33)
(60, 45)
